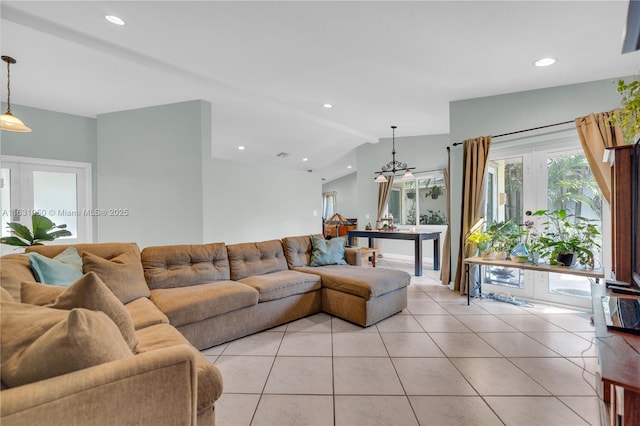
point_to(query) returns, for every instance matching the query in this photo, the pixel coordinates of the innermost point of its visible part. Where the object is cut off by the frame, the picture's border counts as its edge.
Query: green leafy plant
(433, 218)
(505, 235)
(43, 230)
(434, 192)
(568, 234)
(628, 116)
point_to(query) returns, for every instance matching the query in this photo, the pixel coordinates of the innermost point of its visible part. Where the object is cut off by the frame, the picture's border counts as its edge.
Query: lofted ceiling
(268, 67)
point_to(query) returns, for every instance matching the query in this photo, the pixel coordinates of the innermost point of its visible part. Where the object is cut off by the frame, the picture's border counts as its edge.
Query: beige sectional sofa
(193, 297)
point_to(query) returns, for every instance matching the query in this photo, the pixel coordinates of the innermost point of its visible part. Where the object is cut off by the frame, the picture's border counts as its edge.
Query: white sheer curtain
(328, 204)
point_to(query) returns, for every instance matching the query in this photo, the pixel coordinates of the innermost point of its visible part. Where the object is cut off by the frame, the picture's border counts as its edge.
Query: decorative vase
(519, 253)
(565, 259)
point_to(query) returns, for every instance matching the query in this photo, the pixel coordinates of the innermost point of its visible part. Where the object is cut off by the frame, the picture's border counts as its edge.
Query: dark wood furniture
(619, 356)
(416, 237)
(590, 273)
(621, 197)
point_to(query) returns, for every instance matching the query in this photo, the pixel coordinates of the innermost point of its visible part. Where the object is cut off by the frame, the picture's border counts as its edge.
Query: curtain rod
(525, 130)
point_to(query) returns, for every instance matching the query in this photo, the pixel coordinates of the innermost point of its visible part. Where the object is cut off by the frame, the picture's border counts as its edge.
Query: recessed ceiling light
(305, 159)
(327, 106)
(544, 62)
(114, 19)
(241, 148)
(349, 166)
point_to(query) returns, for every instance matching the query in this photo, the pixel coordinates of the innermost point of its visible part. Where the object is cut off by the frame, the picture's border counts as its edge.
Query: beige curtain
(384, 189)
(476, 152)
(596, 134)
(445, 269)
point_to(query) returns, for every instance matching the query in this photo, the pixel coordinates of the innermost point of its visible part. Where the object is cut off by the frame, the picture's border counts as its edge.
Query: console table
(589, 273)
(416, 237)
(619, 356)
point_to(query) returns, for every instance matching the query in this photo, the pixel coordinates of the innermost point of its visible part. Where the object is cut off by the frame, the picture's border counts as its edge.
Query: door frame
(84, 188)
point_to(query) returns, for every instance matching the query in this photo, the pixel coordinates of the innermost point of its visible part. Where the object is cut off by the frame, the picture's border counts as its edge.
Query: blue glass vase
(519, 253)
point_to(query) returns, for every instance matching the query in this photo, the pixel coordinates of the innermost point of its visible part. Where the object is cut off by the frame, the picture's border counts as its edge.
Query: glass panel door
(60, 191)
(534, 179)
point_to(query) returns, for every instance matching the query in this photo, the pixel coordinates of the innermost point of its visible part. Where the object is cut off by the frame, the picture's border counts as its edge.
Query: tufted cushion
(185, 265)
(297, 250)
(249, 259)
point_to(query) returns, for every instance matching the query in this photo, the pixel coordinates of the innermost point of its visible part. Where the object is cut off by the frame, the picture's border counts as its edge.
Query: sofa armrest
(352, 256)
(155, 387)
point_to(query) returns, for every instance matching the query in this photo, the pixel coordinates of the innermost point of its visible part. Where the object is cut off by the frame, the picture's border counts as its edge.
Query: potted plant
(482, 240)
(628, 116)
(568, 238)
(505, 236)
(434, 192)
(43, 230)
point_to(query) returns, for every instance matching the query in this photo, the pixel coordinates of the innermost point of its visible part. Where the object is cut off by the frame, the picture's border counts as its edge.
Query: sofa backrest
(297, 250)
(103, 250)
(14, 269)
(249, 259)
(185, 265)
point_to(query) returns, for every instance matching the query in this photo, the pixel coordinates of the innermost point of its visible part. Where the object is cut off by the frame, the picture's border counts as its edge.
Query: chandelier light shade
(394, 166)
(8, 121)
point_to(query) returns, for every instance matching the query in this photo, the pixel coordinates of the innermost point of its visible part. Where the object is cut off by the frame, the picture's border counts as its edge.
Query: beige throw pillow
(90, 292)
(39, 294)
(5, 296)
(39, 343)
(123, 274)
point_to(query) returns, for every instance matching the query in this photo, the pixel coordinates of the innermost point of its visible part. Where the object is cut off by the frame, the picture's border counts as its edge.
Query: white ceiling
(267, 67)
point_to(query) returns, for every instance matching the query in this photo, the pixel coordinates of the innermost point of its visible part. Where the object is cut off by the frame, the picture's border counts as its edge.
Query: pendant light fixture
(392, 167)
(9, 121)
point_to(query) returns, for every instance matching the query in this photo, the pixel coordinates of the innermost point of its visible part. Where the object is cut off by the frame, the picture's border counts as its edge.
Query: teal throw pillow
(63, 270)
(327, 252)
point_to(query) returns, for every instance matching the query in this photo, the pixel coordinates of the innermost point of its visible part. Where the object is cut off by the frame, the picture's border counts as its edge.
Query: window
(59, 190)
(420, 201)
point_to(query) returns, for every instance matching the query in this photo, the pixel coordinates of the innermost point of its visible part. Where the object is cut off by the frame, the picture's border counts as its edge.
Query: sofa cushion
(145, 314)
(248, 259)
(282, 284)
(104, 250)
(297, 250)
(367, 283)
(14, 270)
(209, 377)
(186, 305)
(185, 265)
(62, 270)
(327, 252)
(39, 294)
(123, 274)
(39, 343)
(5, 296)
(90, 292)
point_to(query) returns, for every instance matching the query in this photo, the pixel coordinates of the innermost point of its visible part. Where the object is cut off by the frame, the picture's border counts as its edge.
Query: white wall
(517, 111)
(346, 195)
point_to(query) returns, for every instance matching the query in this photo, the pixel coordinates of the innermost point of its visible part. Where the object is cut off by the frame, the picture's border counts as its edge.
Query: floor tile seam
(547, 346)
(530, 376)
(574, 411)
(582, 371)
(495, 413)
(506, 356)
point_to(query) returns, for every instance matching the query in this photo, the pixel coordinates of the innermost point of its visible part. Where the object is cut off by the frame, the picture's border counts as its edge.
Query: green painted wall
(346, 189)
(149, 163)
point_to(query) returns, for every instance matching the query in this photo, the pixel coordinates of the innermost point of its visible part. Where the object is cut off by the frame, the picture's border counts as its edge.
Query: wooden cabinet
(621, 196)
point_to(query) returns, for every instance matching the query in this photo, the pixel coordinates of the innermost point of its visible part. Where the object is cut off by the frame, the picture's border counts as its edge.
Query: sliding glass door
(550, 177)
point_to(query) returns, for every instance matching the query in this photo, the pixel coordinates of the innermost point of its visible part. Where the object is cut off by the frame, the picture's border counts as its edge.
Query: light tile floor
(439, 362)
